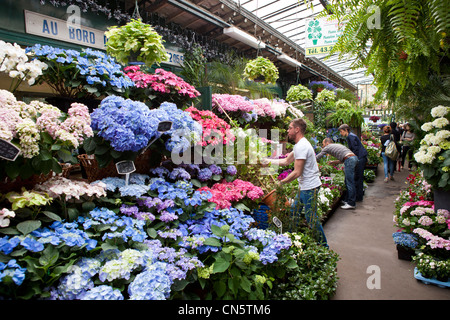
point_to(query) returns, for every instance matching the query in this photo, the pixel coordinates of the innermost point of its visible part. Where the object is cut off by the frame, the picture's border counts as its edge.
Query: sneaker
(347, 206)
(392, 178)
(386, 179)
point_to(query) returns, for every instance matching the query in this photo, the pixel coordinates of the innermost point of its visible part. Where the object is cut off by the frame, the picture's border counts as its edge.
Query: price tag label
(125, 167)
(8, 151)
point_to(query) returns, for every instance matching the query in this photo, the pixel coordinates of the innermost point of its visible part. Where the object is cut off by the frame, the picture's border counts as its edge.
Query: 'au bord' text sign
(49, 27)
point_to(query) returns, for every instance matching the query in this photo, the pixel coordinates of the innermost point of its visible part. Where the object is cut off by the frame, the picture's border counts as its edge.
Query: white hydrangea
(440, 122)
(439, 111)
(427, 126)
(424, 157)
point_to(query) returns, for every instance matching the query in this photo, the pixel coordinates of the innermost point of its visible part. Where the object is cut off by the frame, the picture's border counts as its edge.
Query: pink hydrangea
(225, 193)
(214, 129)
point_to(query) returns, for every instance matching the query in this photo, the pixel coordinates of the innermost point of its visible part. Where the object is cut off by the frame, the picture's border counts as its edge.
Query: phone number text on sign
(175, 58)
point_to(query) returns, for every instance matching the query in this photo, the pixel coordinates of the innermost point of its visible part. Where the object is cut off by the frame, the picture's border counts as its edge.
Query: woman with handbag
(407, 139)
(389, 164)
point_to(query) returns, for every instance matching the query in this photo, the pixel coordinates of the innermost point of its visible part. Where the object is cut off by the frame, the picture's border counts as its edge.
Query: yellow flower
(446, 169)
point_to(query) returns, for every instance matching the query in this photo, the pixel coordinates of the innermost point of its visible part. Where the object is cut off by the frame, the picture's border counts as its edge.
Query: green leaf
(214, 242)
(28, 226)
(52, 215)
(246, 284)
(220, 265)
(220, 288)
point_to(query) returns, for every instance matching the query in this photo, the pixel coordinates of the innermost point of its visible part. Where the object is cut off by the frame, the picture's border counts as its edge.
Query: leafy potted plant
(298, 93)
(261, 68)
(135, 40)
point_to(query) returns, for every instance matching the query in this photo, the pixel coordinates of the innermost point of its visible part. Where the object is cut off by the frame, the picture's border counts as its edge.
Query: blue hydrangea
(204, 174)
(152, 284)
(12, 270)
(128, 125)
(409, 240)
(231, 170)
(102, 292)
(272, 243)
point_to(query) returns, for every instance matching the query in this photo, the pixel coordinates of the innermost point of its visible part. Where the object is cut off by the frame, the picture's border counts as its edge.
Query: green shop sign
(321, 35)
(49, 27)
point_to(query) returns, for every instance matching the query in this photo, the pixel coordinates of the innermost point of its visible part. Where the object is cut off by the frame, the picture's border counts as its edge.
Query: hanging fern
(413, 41)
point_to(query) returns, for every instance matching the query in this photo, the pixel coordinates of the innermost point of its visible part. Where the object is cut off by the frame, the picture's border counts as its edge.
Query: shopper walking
(355, 145)
(389, 164)
(406, 140)
(350, 161)
(307, 172)
(396, 132)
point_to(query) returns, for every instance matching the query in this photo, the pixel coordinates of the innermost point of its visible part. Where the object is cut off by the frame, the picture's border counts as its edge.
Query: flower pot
(405, 253)
(441, 199)
(270, 198)
(319, 89)
(133, 59)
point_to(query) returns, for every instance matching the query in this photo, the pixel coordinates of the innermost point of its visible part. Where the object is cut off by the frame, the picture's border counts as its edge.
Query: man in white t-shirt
(307, 172)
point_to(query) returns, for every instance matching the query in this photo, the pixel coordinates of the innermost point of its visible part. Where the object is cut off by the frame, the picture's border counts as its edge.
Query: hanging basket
(93, 170)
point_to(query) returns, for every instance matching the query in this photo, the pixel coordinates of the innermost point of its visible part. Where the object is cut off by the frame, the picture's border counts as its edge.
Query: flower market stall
(170, 229)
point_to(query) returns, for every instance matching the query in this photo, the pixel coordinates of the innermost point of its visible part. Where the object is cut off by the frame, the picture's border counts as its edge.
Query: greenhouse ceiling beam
(265, 26)
(195, 10)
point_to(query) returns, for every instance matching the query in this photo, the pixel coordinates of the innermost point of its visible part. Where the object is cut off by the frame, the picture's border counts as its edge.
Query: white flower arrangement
(434, 153)
(14, 61)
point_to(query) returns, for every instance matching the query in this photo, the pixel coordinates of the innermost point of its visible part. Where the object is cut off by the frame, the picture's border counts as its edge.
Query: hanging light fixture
(286, 59)
(244, 37)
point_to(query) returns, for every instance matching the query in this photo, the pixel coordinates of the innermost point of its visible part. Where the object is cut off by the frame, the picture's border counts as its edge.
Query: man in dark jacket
(355, 145)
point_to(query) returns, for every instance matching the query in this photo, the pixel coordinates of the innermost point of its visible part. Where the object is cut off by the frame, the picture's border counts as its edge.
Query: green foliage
(233, 272)
(310, 271)
(298, 93)
(261, 67)
(411, 43)
(352, 116)
(138, 38)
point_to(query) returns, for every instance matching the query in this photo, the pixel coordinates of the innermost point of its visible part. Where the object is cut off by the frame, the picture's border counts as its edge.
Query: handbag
(391, 149)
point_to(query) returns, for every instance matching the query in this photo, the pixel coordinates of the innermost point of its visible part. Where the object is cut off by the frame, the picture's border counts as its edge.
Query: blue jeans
(308, 199)
(389, 165)
(350, 166)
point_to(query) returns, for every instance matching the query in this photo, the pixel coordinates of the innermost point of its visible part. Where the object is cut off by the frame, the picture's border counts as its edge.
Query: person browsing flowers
(307, 172)
(350, 160)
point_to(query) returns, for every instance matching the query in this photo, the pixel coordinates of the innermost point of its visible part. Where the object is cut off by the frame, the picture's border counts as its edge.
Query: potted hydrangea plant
(79, 76)
(261, 68)
(433, 155)
(137, 41)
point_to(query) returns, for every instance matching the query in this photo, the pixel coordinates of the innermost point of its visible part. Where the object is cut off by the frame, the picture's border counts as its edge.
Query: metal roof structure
(279, 25)
(288, 17)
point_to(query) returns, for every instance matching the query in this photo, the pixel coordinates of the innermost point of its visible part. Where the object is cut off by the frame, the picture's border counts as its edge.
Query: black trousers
(359, 178)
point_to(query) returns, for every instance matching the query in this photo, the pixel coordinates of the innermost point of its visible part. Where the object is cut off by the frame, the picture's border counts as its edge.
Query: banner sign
(321, 35)
(58, 29)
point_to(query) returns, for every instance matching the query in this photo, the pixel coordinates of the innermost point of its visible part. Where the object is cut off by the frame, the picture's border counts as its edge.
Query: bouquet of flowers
(74, 74)
(15, 62)
(434, 152)
(160, 86)
(43, 133)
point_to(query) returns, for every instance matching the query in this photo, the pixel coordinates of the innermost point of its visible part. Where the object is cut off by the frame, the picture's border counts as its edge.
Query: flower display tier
(423, 231)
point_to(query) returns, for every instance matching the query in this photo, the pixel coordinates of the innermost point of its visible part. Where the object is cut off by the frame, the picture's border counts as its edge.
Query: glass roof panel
(288, 17)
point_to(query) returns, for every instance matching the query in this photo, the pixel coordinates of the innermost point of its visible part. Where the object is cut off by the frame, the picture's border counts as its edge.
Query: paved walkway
(363, 239)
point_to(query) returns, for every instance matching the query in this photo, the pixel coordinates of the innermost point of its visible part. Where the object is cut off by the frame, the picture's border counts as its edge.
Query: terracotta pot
(270, 198)
(319, 89)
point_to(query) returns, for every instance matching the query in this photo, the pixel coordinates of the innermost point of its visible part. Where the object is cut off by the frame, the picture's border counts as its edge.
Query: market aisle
(363, 240)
